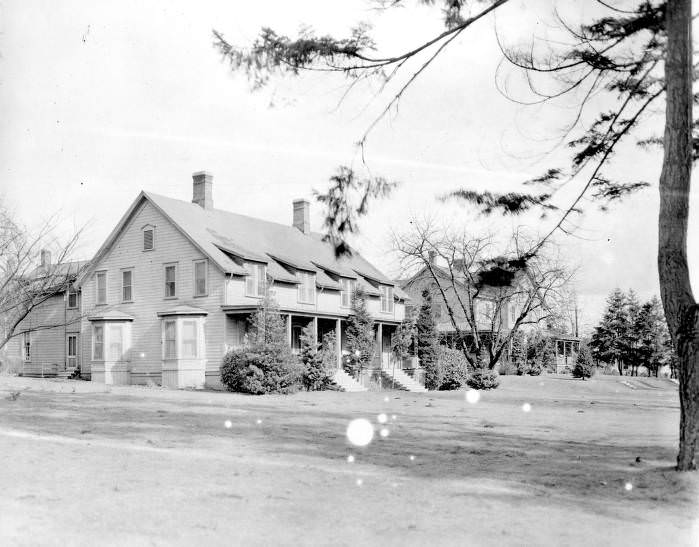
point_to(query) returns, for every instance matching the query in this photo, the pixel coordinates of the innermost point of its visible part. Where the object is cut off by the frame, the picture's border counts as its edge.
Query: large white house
(172, 287)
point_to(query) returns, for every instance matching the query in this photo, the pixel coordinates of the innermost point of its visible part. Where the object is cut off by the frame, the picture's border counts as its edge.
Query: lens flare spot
(385, 399)
(258, 422)
(628, 487)
(360, 482)
(228, 424)
(360, 432)
(382, 418)
(412, 458)
(393, 417)
(473, 396)
(350, 459)
(384, 432)
(526, 407)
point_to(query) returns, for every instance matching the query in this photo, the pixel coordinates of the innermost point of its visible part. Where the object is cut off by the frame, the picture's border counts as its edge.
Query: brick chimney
(201, 189)
(302, 215)
(45, 258)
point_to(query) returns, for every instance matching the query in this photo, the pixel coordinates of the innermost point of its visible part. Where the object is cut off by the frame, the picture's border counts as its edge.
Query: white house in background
(172, 287)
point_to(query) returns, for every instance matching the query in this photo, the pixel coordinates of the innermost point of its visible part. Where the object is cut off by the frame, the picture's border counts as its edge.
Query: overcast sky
(103, 99)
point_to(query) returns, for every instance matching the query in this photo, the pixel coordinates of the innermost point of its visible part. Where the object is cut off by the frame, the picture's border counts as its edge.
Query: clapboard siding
(49, 324)
(327, 301)
(171, 246)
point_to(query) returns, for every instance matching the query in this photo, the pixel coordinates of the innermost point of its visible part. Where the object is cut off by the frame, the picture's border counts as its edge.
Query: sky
(101, 100)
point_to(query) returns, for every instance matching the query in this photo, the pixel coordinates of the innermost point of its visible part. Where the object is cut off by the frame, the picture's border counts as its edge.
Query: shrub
(427, 343)
(319, 363)
(259, 370)
(508, 368)
(584, 366)
(535, 368)
(266, 365)
(361, 341)
(483, 378)
(452, 368)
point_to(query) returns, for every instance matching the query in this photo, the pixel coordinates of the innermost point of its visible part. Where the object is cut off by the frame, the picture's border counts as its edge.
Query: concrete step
(403, 380)
(347, 383)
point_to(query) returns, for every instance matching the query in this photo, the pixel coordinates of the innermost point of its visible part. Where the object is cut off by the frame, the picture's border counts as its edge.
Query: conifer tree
(361, 342)
(519, 353)
(610, 339)
(584, 366)
(427, 342)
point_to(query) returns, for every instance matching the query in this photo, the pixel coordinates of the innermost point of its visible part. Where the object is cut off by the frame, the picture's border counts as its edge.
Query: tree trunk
(675, 288)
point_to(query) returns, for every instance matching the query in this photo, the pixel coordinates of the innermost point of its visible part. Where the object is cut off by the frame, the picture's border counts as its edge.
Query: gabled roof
(226, 237)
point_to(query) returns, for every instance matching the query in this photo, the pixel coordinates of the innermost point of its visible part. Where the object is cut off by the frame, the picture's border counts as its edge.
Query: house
(48, 339)
(171, 289)
(493, 312)
(495, 309)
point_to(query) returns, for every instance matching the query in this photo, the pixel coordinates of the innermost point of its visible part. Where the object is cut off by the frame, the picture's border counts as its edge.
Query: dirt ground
(89, 465)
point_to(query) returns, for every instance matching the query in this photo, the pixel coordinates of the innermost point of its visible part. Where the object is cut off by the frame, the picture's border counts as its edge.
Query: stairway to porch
(347, 383)
(69, 373)
(402, 380)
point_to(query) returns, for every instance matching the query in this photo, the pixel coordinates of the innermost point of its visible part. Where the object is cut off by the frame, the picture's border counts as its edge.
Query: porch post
(288, 329)
(315, 329)
(338, 342)
(379, 342)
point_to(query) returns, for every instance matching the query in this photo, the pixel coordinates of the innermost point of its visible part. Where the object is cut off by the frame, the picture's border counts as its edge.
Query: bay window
(182, 337)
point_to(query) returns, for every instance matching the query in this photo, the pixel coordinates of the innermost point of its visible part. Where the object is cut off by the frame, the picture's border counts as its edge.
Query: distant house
(490, 311)
(494, 312)
(171, 289)
(48, 340)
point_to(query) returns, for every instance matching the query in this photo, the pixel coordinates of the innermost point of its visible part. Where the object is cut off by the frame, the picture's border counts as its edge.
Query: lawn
(539, 461)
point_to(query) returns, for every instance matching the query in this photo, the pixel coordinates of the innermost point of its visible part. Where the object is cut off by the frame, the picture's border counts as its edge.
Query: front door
(386, 357)
(72, 351)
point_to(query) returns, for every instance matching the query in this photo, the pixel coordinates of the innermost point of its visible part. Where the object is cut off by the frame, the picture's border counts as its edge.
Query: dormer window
(256, 280)
(346, 290)
(386, 298)
(148, 238)
(307, 287)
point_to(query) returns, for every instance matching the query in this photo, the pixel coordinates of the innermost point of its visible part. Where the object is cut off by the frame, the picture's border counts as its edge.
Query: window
(255, 282)
(200, 278)
(485, 310)
(72, 298)
(346, 291)
(27, 346)
(189, 339)
(170, 280)
(386, 299)
(127, 285)
(116, 342)
(98, 343)
(307, 287)
(72, 346)
(169, 340)
(148, 238)
(513, 313)
(101, 287)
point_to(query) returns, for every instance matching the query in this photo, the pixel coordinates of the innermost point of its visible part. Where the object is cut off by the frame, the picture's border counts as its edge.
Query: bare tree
(488, 296)
(25, 283)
